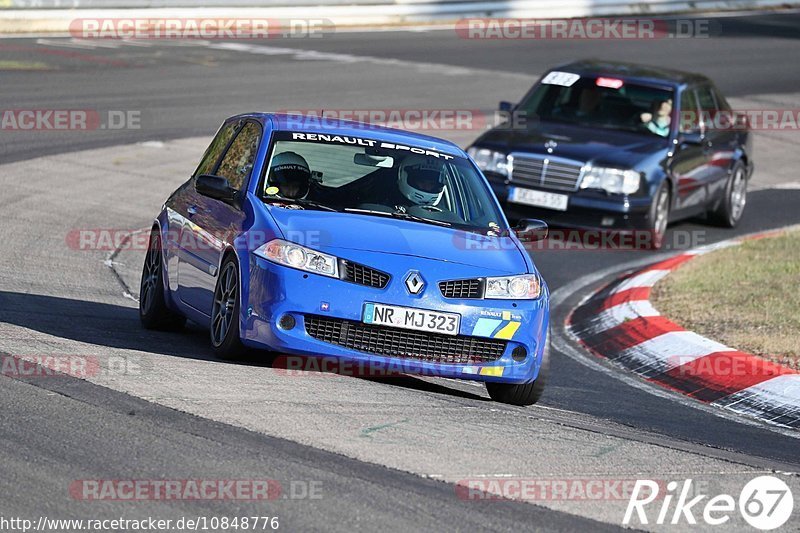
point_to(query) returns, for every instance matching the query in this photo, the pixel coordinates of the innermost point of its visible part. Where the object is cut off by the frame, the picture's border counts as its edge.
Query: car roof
(313, 123)
(632, 71)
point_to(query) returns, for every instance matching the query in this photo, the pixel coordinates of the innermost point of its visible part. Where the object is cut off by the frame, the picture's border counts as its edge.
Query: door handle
(192, 210)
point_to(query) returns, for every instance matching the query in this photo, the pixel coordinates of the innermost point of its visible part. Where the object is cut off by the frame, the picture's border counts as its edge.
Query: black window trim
(224, 151)
(239, 127)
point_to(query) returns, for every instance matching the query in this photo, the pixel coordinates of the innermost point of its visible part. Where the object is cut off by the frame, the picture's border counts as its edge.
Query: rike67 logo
(765, 503)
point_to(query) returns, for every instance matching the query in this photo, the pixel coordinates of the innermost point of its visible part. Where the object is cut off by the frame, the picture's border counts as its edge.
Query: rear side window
(722, 104)
(215, 149)
(238, 161)
(705, 97)
(689, 119)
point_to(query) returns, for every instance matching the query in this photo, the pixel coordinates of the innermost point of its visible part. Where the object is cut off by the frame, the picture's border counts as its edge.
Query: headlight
(491, 161)
(296, 256)
(525, 287)
(611, 179)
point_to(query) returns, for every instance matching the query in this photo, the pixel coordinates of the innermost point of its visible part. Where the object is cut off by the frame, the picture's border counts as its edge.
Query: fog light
(286, 322)
(607, 221)
(519, 354)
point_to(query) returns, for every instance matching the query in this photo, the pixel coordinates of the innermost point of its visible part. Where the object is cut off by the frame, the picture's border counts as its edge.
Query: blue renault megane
(345, 240)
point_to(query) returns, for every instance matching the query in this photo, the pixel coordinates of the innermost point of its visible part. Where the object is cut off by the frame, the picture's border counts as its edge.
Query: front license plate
(549, 200)
(411, 318)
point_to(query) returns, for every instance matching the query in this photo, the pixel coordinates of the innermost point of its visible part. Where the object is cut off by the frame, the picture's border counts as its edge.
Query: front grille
(462, 288)
(363, 275)
(547, 172)
(403, 343)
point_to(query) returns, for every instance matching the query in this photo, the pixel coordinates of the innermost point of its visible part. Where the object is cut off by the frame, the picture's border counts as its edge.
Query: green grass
(746, 297)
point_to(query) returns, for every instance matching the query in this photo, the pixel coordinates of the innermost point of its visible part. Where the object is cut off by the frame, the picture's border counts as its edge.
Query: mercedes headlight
(296, 256)
(491, 161)
(524, 287)
(613, 180)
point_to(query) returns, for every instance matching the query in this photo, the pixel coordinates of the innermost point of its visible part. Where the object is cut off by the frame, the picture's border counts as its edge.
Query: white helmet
(421, 179)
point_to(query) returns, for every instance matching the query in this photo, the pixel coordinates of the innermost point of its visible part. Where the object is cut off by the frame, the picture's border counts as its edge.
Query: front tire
(731, 207)
(225, 312)
(659, 217)
(526, 393)
(153, 310)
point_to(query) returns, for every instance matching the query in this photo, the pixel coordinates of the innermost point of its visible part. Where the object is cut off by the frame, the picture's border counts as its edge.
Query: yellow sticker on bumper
(496, 371)
(507, 332)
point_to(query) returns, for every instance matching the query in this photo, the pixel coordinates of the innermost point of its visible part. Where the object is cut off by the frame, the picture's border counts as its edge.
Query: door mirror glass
(215, 187)
(531, 230)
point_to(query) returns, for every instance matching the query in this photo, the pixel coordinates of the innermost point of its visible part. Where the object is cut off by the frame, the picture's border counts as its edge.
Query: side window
(722, 104)
(705, 97)
(708, 106)
(238, 160)
(689, 119)
(215, 149)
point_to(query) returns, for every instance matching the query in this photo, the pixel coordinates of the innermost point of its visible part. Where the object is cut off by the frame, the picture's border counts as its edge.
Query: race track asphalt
(364, 440)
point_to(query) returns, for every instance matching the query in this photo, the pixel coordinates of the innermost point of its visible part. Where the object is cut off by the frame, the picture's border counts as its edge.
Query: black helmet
(290, 174)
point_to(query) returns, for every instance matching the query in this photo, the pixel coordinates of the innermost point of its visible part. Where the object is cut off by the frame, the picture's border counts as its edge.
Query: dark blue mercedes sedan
(620, 147)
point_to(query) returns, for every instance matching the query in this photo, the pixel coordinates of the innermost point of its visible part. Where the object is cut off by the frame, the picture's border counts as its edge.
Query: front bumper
(588, 209)
(274, 291)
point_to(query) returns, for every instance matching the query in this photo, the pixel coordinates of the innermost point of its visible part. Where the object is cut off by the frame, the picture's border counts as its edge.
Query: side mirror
(215, 187)
(531, 230)
(505, 107)
(691, 137)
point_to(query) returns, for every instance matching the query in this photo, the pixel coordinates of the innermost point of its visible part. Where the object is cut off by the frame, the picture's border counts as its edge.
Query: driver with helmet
(420, 180)
(290, 175)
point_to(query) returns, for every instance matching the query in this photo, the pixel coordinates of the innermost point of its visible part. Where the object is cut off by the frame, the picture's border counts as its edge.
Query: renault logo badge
(414, 283)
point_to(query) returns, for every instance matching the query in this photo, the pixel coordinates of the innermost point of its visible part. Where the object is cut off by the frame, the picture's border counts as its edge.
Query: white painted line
(97, 43)
(65, 44)
(713, 247)
(648, 278)
(316, 55)
(791, 186)
(137, 42)
(151, 144)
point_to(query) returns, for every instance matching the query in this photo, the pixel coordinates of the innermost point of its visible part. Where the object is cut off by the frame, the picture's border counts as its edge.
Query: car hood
(573, 142)
(335, 232)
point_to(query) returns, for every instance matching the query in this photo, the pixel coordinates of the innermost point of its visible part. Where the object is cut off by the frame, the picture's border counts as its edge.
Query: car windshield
(600, 102)
(368, 177)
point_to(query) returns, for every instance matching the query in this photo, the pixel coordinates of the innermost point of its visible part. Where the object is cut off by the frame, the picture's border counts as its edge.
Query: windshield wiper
(399, 215)
(301, 202)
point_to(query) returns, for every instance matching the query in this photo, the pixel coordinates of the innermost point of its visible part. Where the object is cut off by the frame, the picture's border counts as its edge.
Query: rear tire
(526, 393)
(225, 337)
(153, 310)
(731, 207)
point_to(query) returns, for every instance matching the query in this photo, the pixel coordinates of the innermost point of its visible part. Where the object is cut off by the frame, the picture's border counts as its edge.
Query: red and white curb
(620, 324)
